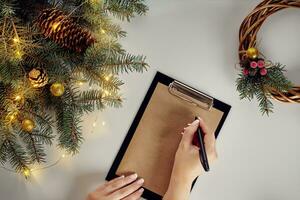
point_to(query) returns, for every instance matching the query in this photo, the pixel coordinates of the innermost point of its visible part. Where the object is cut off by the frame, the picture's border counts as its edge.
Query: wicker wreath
(260, 77)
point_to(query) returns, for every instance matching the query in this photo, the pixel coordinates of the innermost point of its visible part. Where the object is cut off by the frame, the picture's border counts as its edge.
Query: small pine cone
(63, 30)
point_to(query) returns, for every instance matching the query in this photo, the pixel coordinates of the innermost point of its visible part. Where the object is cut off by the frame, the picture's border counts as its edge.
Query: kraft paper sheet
(152, 149)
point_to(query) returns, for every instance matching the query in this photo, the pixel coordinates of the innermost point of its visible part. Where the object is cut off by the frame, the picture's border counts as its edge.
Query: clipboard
(152, 140)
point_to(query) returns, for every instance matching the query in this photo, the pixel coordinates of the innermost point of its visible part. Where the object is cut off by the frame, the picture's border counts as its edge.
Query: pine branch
(125, 9)
(98, 77)
(125, 63)
(16, 155)
(34, 147)
(3, 149)
(10, 71)
(263, 97)
(99, 99)
(70, 136)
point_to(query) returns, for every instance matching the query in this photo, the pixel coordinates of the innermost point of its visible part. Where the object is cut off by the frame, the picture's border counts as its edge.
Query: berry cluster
(252, 68)
(252, 65)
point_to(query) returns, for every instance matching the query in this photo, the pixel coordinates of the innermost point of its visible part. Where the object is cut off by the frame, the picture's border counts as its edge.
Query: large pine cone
(63, 30)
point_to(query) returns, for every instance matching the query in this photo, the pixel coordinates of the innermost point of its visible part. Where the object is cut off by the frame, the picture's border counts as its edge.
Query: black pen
(202, 151)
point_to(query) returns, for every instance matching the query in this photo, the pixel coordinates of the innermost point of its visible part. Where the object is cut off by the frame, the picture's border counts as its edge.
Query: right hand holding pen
(187, 163)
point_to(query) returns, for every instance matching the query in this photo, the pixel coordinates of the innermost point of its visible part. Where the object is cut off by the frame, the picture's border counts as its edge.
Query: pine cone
(63, 30)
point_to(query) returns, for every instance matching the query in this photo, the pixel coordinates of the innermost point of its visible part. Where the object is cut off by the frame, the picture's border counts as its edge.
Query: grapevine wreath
(260, 77)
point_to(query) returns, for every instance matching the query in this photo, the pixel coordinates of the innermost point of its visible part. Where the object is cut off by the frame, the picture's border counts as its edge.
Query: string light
(16, 39)
(18, 54)
(106, 92)
(55, 26)
(103, 31)
(26, 172)
(94, 124)
(103, 123)
(18, 97)
(80, 83)
(108, 77)
(63, 155)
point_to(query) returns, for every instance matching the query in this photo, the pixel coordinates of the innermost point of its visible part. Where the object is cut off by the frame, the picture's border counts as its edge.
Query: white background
(196, 42)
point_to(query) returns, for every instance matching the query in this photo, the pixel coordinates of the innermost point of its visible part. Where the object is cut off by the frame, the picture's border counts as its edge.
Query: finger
(203, 126)
(136, 195)
(189, 132)
(102, 187)
(124, 192)
(119, 183)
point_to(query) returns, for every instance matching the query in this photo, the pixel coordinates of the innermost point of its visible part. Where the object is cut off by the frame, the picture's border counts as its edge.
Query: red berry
(245, 72)
(253, 64)
(261, 63)
(263, 71)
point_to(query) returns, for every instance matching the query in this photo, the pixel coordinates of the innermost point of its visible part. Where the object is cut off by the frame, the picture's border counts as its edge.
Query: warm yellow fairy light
(103, 123)
(26, 172)
(103, 31)
(63, 155)
(16, 39)
(18, 97)
(94, 124)
(12, 117)
(18, 54)
(80, 83)
(108, 77)
(55, 26)
(94, 1)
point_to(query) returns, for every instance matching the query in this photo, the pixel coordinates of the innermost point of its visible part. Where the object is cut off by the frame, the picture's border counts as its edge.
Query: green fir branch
(98, 99)
(125, 63)
(69, 130)
(125, 9)
(34, 147)
(16, 155)
(257, 86)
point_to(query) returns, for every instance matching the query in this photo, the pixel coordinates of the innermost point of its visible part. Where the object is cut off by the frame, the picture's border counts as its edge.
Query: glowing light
(16, 39)
(12, 117)
(80, 83)
(26, 172)
(18, 97)
(55, 26)
(90, 87)
(94, 124)
(106, 92)
(18, 54)
(108, 77)
(103, 31)
(103, 123)
(63, 155)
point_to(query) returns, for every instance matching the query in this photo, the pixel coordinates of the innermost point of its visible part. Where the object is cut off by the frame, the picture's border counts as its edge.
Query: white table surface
(194, 41)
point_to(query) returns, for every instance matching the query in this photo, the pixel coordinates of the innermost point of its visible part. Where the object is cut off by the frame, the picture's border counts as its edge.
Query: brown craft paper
(152, 149)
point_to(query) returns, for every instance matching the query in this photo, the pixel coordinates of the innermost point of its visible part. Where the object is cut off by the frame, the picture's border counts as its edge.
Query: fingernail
(133, 176)
(121, 176)
(188, 124)
(141, 190)
(196, 122)
(140, 181)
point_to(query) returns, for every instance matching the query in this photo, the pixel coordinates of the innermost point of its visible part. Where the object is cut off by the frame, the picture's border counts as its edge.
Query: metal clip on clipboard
(191, 95)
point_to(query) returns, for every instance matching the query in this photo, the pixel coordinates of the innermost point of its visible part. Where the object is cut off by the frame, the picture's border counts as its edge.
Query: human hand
(125, 188)
(187, 165)
(187, 162)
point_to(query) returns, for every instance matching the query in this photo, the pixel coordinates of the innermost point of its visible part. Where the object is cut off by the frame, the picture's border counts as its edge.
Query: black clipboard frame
(166, 80)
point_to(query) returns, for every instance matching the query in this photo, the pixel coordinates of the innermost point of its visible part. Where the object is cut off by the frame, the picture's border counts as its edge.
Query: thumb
(189, 132)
